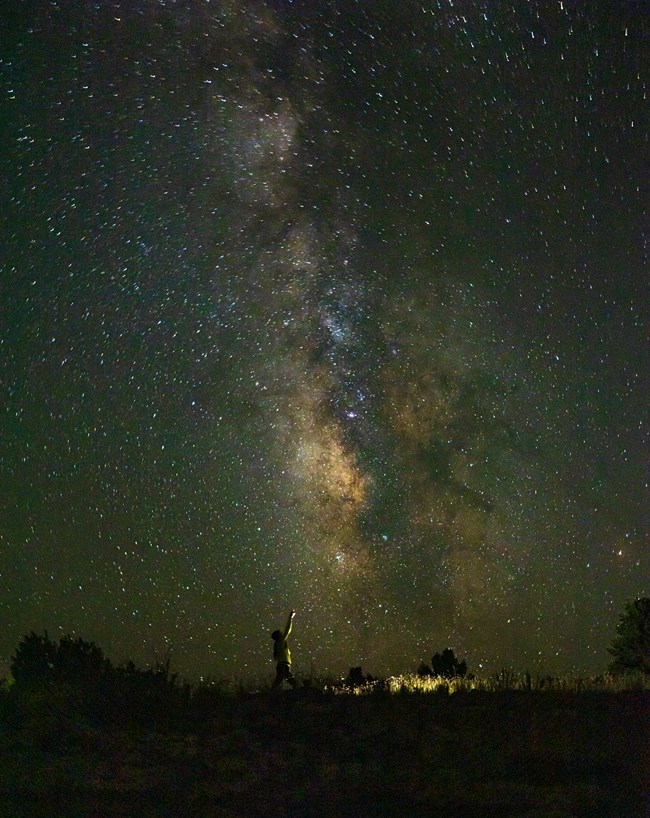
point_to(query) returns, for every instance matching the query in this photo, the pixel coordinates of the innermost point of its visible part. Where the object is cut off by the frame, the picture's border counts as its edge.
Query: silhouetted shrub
(148, 696)
(357, 679)
(82, 681)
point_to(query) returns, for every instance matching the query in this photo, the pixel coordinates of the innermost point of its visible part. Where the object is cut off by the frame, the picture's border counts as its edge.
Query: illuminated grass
(505, 680)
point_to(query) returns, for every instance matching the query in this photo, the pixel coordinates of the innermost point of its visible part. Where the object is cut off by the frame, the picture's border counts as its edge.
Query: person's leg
(291, 678)
(279, 676)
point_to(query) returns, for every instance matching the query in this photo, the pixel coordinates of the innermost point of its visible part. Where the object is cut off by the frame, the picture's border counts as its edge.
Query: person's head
(276, 635)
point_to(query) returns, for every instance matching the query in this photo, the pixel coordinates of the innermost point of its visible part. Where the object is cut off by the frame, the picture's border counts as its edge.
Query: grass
(504, 680)
(509, 745)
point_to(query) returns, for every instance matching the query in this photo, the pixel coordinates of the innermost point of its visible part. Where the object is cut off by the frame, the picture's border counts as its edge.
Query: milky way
(326, 306)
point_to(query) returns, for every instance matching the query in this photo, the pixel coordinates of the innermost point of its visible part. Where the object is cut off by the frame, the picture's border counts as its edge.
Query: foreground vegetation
(503, 753)
(504, 681)
(551, 752)
(81, 737)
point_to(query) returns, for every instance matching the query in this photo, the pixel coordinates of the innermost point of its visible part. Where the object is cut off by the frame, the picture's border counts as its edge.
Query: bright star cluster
(336, 306)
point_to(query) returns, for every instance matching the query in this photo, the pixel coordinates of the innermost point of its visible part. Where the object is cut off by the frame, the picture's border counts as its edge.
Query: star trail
(338, 306)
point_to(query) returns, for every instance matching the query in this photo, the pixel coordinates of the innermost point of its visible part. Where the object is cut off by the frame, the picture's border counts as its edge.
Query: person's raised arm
(287, 630)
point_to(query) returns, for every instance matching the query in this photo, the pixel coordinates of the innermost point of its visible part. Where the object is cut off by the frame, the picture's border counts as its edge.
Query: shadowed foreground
(306, 754)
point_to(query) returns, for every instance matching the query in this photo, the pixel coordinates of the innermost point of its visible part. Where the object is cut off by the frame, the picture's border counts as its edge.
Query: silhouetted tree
(34, 659)
(631, 647)
(39, 659)
(80, 661)
(444, 664)
(424, 670)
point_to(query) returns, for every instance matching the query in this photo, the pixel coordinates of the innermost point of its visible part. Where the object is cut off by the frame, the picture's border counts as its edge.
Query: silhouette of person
(282, 655)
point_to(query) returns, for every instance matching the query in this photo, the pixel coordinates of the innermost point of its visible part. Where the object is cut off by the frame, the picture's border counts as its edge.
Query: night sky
(332, 305)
